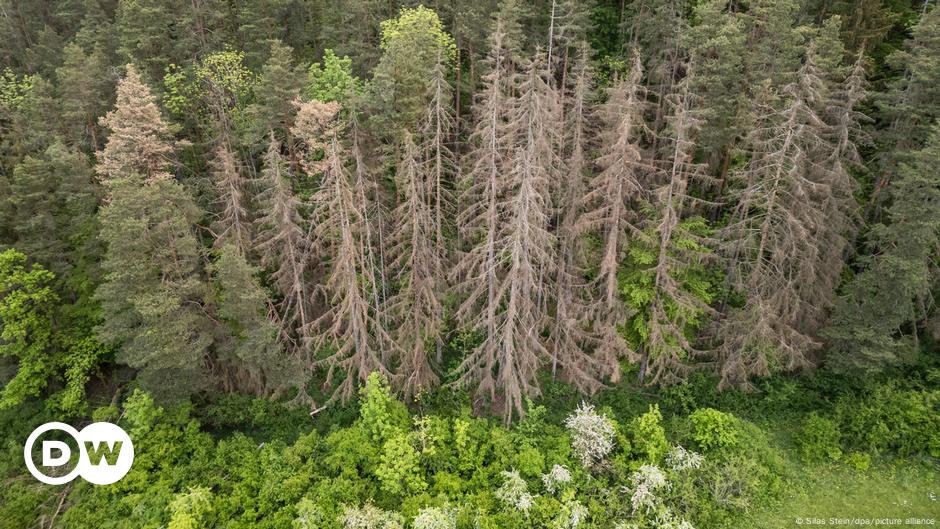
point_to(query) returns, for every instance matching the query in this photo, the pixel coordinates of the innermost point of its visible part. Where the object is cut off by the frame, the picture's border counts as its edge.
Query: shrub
(514, 492)
(819, 438)
(648, 437)
(858, 460)
(592, 435)
(713, 430)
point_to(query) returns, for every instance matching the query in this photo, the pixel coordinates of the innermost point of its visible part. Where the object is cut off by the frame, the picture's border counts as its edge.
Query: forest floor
(836, 494)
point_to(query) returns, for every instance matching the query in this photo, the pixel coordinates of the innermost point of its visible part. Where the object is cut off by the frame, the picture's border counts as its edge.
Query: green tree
(278, 86)
(27, 303)
(875, 323)
(153, 294)
(85, 89)
(250, 345)
(332, 80)
(53, 201)
(412, 45)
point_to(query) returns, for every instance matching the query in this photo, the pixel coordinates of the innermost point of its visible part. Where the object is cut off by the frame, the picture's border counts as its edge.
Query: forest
(479, 264)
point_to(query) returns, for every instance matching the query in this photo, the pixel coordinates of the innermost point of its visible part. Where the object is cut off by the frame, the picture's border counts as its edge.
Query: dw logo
(105, 453)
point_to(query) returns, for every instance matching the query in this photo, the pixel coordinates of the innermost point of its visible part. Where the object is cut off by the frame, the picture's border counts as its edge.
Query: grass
(898, 490)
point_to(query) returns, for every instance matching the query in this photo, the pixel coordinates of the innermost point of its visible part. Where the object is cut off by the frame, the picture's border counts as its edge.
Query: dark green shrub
(819, 438)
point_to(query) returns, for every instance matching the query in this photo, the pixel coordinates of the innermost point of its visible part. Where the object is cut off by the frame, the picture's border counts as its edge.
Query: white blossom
(557, 475)
(370, 517)
(577, 514)
(680, 459)
(592, 435)
(668, 520)
(435, 518)
(645, 483)
(514, 492)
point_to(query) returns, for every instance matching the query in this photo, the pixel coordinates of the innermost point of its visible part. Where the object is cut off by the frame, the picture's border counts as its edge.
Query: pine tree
(250, 355)
(666, 284)
(53, 201)
(609, 207)
(279, 84)
(715, 42)
(571, 338)
(912, 102)
(140, 141)
(437, 130)
(349, 329)
(507, 361)
(85, 92)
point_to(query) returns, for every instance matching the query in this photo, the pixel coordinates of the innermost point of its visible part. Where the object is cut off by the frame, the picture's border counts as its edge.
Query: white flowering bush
(645, 484)
(668, 520)
(680, 459)
(514, 491)
(558, 475)
(577, 513)
(370, 517)
(592, 435)
(435, 518)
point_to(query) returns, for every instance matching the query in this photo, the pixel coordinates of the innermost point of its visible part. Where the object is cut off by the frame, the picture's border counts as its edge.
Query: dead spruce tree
(609, 208)
(517, 248)
(416, 308)
(666, 283)
(283, 246)
(479, 218)
(571, 338)
(232, 225)
(437, 131)
(348, 329)
(773, 241)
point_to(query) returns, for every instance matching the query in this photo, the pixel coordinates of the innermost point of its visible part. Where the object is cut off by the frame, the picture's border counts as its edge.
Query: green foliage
(713, 430)
(648, 442)
(15, 91)
(891, 419)
(383, 416)
(819, 438)
(637, 281)
(190, 510)
(27, 302)
(332, 80)
(398, 469)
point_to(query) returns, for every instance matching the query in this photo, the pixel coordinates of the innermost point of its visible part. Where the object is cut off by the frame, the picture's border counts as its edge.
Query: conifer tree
(284, 247)
(507, 361)
(610, 206)
(85, 90)
(666, 285)
(415, 256)
(912, 102)
(571, 338)
(773, 242)
(279, 84)
(349, 330)
(153, 295)
(249, 353)
(53, 200)
(875, 322)
(437, 132)
(233, 225)
(139, 141)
